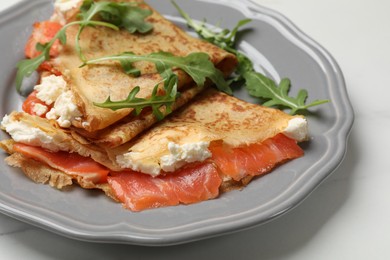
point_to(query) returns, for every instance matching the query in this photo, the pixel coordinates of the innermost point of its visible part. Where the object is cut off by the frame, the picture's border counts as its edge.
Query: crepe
(212, 117)
(130, 126)
(94, 83)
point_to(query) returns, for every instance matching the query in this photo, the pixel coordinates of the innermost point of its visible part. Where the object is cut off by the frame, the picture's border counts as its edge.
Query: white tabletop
(347, 217)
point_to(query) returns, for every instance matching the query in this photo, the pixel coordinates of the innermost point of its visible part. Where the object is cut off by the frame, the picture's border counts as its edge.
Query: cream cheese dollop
(177, 156)
(50, 88)
(64, 110)
(182, 154)
(297, 129)
(23, 133)
(66, 5)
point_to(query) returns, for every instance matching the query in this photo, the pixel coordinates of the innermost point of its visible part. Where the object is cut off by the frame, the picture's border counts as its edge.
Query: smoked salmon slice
(138, 191)
(70, 163)
(42, 33)
(191, 184)
(254, 159)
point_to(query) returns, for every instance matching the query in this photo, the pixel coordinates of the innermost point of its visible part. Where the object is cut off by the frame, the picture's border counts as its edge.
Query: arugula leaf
(197, 65)
(132, 18)
(156, 102)
(224, 39)
(257, 84)
(260, 86)
(124, 15)
(26, 68)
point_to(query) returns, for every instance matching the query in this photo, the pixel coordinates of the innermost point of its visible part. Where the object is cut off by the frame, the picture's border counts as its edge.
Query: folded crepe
(94, 83)
(217, 141)
(212, 117)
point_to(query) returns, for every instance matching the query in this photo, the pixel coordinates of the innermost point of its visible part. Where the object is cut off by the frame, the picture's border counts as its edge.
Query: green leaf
(26, 68)
(222, 38)
(232, 37)
(263, 87)
(132, 18)
(155, 102)
(61, 36)
(129, 68)
(40, 47)
(90, 8)
(197, 65)
(85, 7)
(123, 15)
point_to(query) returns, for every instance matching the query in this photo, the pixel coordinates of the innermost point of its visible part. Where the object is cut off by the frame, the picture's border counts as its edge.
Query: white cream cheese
(39, 109)
(131, 161)
(64, 110)
(23, 133)
(297, 129)
(65, 5)
(50, 88)
(53, 89)
(182, 154)
(177, 157)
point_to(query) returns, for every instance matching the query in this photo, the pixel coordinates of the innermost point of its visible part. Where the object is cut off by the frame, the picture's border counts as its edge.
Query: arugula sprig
(155, 101)
(277, 95)
(224, 38)
(257, 84)
(197, 65)
(111, 15)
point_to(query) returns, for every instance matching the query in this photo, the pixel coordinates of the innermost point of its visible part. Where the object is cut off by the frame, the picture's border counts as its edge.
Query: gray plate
(280, 49)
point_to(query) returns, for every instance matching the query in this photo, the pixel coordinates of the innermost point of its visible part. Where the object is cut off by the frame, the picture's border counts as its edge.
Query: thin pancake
(95, 83)
(54, 138)
(126, 129)
(212, 116)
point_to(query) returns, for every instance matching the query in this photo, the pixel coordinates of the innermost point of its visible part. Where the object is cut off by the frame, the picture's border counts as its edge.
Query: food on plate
(216, 142)
(125, 104)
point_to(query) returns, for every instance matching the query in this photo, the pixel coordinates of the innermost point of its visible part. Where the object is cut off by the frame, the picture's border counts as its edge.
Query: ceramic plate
(278, 48)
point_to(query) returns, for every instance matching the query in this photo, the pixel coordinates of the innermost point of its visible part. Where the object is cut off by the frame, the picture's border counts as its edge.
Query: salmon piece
(48, 66)
(42, 33)
(31, 101)
(201, 181)
(70, 163)
(195, 183)
(255, 159)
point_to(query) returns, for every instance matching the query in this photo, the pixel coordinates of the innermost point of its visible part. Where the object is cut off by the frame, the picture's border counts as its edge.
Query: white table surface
(353, 219)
